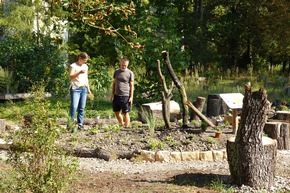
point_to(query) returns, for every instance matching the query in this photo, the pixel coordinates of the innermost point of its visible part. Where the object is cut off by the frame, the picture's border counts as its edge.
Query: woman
(79, 88)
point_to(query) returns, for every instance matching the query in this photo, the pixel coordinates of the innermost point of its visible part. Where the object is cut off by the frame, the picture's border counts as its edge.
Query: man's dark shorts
(121, 103)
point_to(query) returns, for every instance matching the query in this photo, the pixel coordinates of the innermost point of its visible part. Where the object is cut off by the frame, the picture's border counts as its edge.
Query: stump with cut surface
(199, 104)
(280, 132)
(251, 157)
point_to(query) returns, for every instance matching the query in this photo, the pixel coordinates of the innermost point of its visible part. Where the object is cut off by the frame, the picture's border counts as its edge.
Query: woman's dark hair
(83, 55)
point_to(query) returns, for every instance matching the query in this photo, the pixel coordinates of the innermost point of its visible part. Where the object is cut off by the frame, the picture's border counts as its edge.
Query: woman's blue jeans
(78, 103)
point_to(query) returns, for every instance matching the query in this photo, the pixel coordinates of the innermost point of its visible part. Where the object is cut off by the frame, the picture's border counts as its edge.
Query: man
(122, 92)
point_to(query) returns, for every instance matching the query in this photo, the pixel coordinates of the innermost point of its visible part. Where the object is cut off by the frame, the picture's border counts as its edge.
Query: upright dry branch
(180, 87)
(166, 96)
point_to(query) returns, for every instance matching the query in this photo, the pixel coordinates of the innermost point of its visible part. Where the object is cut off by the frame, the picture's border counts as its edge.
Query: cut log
(251, 157)
(283, 115)
(103, 154)
(201, 116)
(280, 132)
(156, 110)
(199, 104)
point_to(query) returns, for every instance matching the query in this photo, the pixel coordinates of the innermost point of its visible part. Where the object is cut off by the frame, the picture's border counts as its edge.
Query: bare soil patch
(196, 176)
(114, 138)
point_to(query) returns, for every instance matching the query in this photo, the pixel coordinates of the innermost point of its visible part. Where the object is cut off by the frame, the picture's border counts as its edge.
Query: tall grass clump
(40, 164)
(149, 119)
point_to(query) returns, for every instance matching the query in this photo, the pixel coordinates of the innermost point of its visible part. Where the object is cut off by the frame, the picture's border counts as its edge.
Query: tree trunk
(180, 87)
(166, 96)
(251, 157)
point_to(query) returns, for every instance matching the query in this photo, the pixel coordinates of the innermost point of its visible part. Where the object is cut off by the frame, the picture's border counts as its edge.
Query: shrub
(42, 166)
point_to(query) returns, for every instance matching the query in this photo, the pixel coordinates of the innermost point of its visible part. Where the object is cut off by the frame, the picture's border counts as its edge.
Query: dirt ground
(198, 179)
(159, 182)
(112, 137)
(195, 176)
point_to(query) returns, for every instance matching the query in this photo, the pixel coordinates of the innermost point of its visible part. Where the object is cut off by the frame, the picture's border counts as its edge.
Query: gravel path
(125, 166)
(217, 167)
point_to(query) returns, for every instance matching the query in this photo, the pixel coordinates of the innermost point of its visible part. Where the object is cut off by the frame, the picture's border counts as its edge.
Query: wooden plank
(19, 96)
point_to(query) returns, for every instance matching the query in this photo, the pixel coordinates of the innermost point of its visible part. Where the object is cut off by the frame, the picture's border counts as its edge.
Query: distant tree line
(203, 37)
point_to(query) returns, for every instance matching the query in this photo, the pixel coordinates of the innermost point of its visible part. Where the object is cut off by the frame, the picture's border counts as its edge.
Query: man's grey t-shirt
(123, 79)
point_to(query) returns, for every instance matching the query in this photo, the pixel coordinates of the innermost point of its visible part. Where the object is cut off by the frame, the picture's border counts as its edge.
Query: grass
(10, 109)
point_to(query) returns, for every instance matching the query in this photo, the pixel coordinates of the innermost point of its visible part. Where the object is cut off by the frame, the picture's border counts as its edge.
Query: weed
(187, 142)
(173, 144)
(115, 128)
(155, 144)
(220, 186)
(136, 124)
(169, 138)
(108, 136)
(93, 131)
(204, 126)
(211, 140)
(190, 136)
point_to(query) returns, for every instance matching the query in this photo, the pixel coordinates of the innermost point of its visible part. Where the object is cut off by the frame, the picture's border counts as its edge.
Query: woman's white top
(81, 79)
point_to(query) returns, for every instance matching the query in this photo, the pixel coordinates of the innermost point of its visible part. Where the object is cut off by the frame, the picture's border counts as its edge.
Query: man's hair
(125, 59)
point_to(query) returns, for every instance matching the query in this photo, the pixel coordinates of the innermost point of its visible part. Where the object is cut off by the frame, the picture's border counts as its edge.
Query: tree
(166, 96)
(180, 87)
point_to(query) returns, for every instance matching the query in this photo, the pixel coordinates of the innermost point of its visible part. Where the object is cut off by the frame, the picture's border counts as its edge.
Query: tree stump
(251, 157)
(283, 115)
(280, 132)
(199, 104)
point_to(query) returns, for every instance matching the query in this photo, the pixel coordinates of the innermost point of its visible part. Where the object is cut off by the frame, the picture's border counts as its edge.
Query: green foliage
(191, 136)
(16, 19)
(7, 83)
(154, 144)
(149, 119)
(100, 78)
(203, 126)
(31, 62)
(136, 124)
(42, 166)
(218, 185)
(211, 140)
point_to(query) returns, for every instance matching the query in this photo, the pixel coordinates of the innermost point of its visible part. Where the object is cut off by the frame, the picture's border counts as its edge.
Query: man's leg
(126, 119)
(119, 117)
